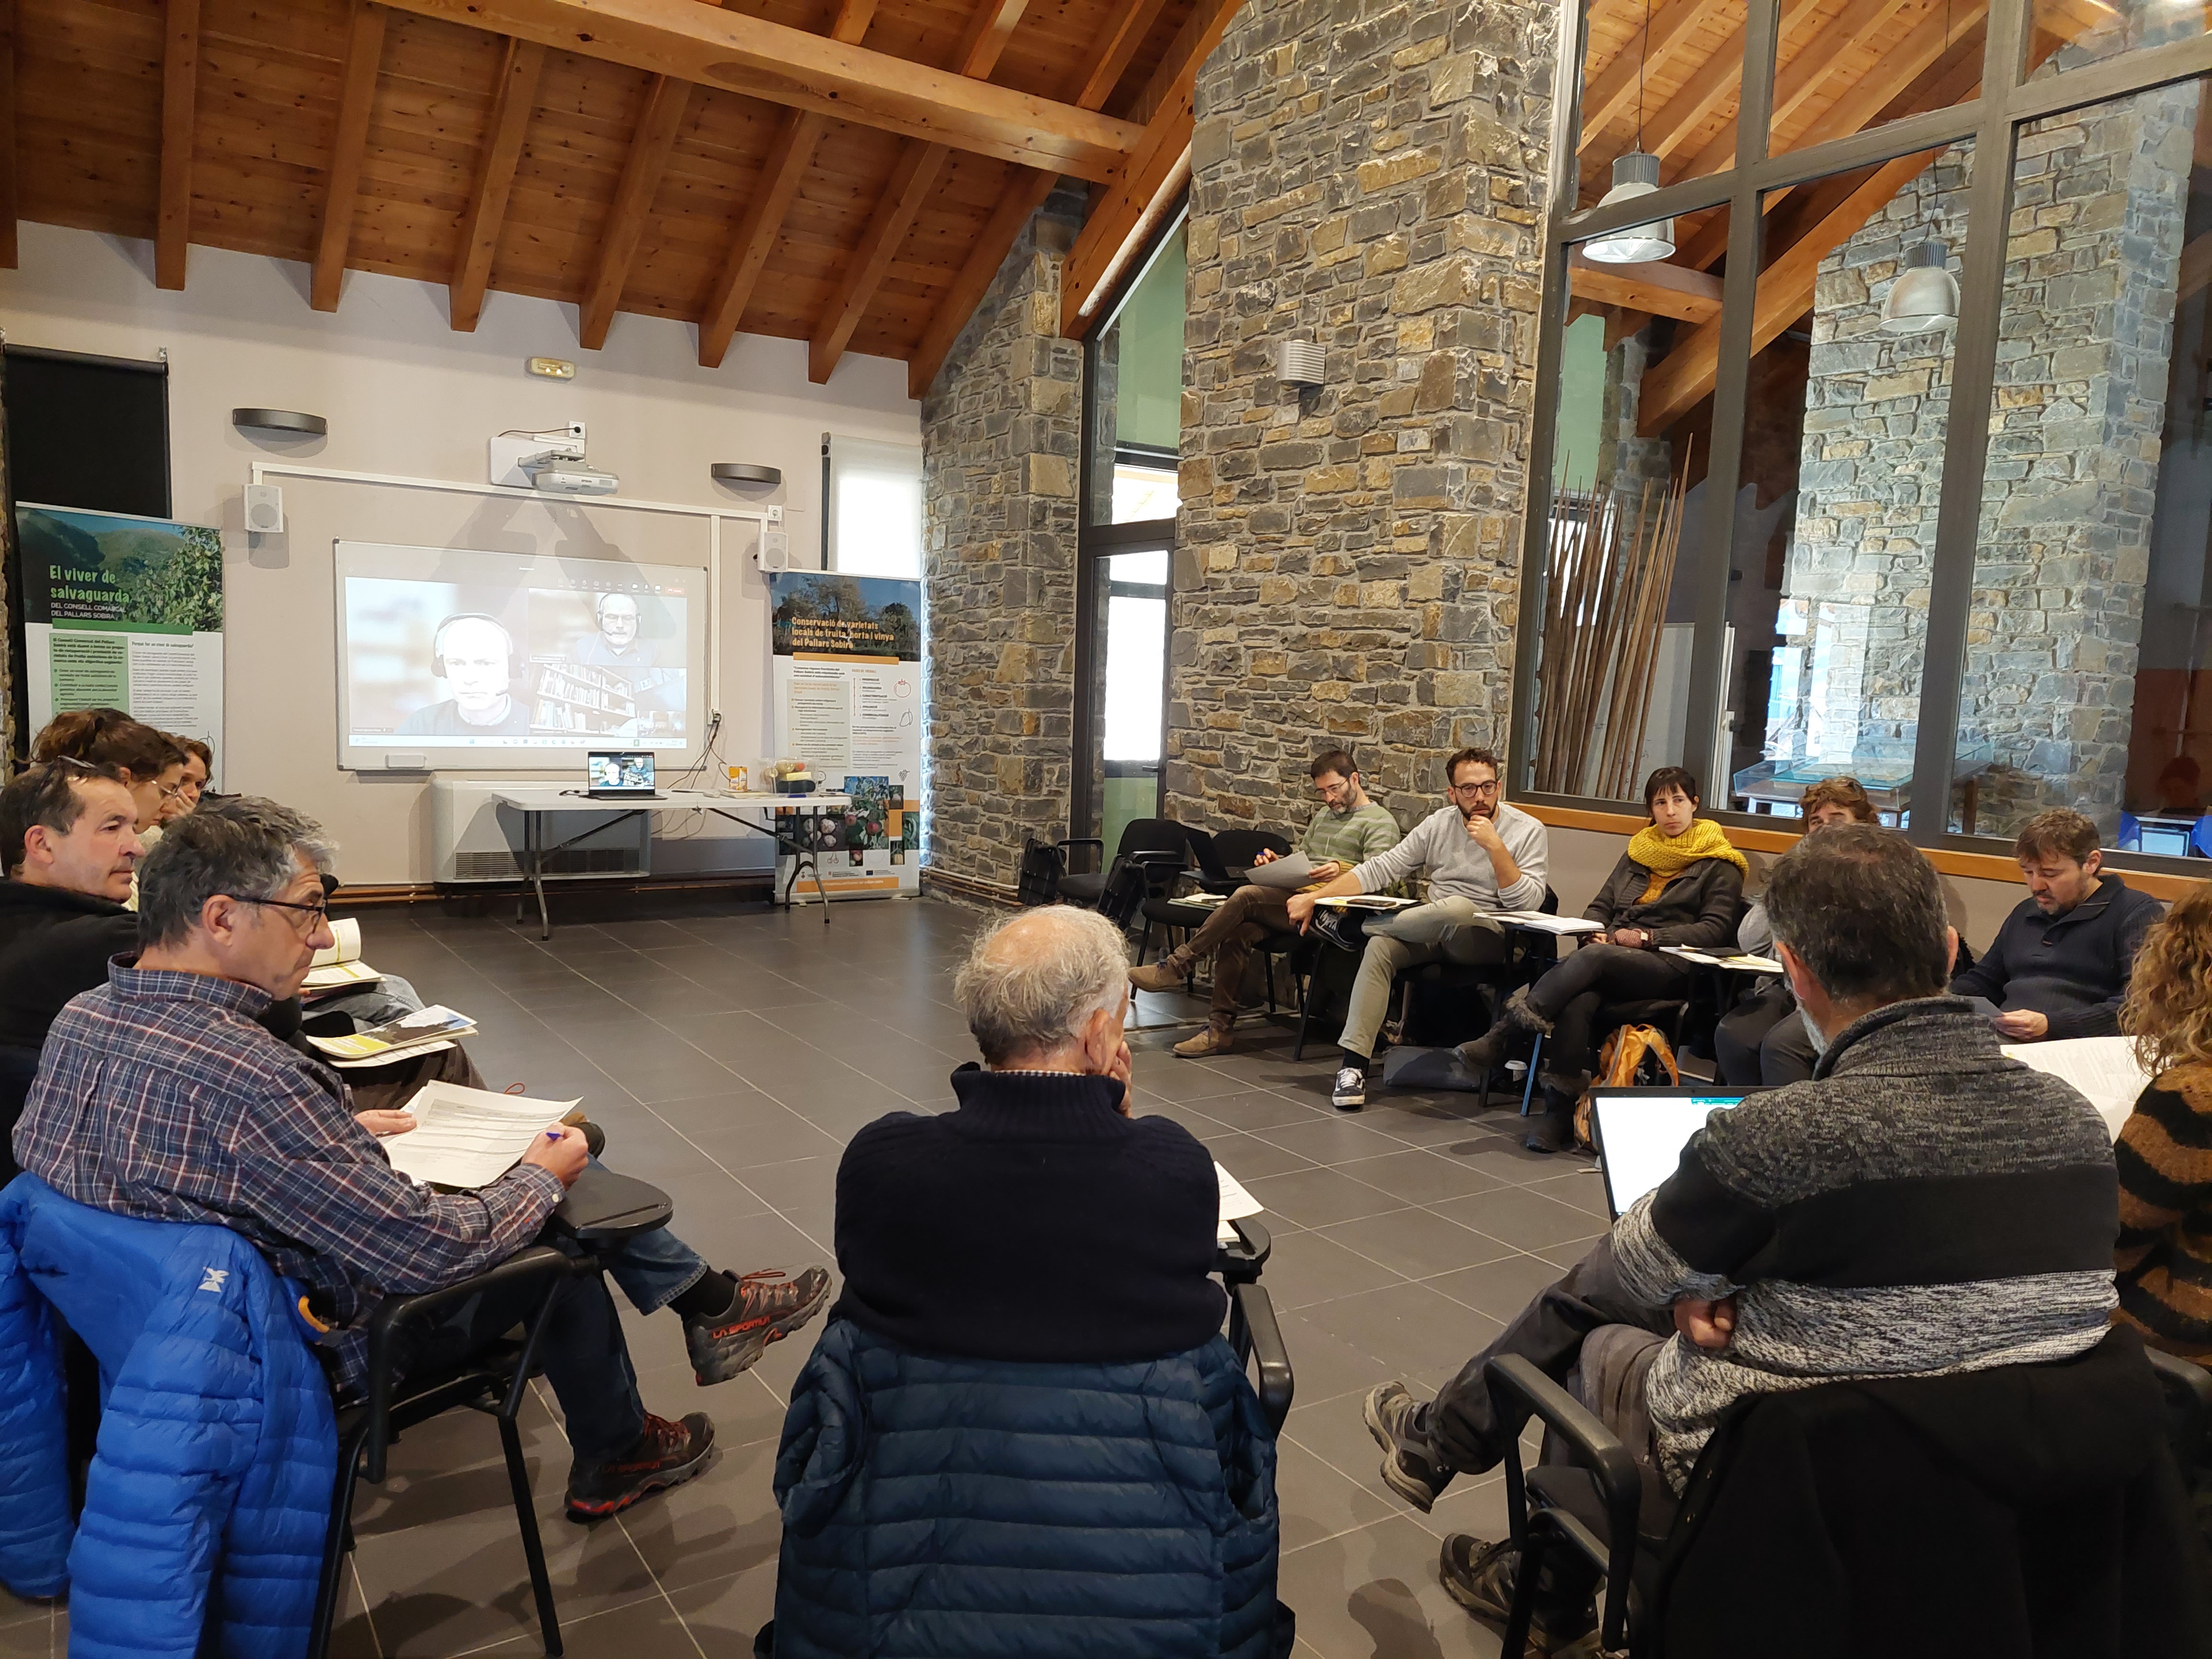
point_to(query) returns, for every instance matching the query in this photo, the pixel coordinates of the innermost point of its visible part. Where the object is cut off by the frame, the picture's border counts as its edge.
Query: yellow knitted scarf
(1666, 858)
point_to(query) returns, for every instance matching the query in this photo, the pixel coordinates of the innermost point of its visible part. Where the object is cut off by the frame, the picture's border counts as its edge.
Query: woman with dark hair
(199, 767)
(1761, 1040)
(152, 762)
(1680, 882)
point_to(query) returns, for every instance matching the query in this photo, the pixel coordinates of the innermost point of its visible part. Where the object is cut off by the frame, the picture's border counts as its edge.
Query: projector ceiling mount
(551, 461)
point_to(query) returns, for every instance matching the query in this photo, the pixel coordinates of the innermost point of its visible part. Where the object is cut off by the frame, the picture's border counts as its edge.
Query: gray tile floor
(729, 1055)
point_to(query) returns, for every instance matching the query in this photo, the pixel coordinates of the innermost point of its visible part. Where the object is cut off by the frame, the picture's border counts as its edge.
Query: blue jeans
(654, 1268)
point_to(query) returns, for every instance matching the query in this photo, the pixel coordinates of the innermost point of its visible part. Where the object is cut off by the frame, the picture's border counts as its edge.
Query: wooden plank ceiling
(849, 173)
(1665, 75)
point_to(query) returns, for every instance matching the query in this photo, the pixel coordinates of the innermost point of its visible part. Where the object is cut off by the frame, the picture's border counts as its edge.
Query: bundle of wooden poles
(1607, 572)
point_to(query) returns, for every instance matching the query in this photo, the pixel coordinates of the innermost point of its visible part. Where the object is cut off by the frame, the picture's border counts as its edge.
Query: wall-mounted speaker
(774, 550)
(264, 510)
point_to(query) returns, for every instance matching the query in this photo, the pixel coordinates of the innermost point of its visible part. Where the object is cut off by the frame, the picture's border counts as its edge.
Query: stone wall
(1367, 174)
(1002, 429)
(2063, 541)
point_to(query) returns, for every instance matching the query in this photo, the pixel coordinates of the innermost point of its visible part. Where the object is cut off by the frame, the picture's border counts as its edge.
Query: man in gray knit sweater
(1923, 1206)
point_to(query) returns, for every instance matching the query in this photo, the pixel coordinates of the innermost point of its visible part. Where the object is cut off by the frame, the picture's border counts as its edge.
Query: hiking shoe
(1350, 1092)
(1406, 1469)
(1480, 1577)
(1213, 1040)
(768, 1308)
(666, 1455)
(1165, 975)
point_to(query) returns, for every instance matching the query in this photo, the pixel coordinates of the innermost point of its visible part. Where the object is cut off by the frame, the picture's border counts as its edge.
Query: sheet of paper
(338, 975)
(1236, 1203)
(1292, 870)
(1688, 954)
(386, 1059)
(406, 1034)
(1543, 924)
(468, 1137)
(2104, 1068)
(346, 932)
(1752, 964)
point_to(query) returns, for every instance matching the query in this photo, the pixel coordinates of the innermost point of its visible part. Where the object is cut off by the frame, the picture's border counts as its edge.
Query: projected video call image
(466, 665)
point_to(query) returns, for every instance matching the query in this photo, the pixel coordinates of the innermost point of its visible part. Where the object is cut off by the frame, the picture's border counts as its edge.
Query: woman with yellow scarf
(1680, 882)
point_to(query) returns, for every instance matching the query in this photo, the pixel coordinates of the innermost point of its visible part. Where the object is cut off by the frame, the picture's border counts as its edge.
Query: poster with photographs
(847, 667)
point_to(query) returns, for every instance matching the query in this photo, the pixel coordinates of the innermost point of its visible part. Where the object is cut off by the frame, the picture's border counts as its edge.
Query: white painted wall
(405, 394)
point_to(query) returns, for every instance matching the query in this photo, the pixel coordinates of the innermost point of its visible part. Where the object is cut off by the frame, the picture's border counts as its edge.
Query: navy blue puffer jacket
(210, 1491)
(994, 1511)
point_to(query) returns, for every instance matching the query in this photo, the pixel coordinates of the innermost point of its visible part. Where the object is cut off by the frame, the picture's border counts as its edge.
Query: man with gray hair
(1041, 1221)
(159, 1094)
(1923, 1206)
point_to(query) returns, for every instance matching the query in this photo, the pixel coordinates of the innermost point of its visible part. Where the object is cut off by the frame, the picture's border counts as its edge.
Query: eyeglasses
(170, 791)
(1485, 787)
(317, 913)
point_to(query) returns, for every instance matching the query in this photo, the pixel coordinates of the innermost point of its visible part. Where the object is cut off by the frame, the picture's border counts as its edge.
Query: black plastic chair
(475, 1345)
(1150, 854)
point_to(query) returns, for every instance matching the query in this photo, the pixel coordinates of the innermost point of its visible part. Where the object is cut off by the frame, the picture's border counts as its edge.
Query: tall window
(1778, 263)
(871, 501)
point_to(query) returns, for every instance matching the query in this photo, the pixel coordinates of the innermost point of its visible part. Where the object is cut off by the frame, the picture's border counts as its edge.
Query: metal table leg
(536, 842)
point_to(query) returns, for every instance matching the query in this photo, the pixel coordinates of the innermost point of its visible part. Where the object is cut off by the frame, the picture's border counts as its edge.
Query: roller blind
(872, 519)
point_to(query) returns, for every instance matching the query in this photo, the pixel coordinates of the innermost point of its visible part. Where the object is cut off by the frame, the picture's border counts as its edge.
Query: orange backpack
(1633, 1055)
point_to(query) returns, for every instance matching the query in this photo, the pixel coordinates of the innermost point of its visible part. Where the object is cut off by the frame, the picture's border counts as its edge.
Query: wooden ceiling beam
(1142, 194)
(913, 177)
(520, 69)
(1614, 89)
(789, 154)
(356, 98)
(1717, 82)
(1117, 50)
(1654, 287)
(180, 68)
(1685, 375)
(707, 45)
(650, 146)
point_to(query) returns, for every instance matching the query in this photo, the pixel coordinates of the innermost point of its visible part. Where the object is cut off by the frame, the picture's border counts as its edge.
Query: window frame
(1992, 121)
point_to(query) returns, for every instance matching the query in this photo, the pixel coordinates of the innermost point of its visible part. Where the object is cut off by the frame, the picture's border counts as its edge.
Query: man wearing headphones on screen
(474, 655)
(617, 644)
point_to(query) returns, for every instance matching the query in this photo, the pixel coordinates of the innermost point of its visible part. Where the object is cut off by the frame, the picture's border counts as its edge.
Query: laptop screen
(1642, 1131)
(2166, 837)
(619, 773)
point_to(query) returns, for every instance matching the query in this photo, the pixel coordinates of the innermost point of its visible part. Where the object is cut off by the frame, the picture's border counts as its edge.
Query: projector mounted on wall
(551, 461)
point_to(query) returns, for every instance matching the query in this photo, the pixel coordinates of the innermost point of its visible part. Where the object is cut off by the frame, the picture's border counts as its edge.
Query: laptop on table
(619, 775)
(1640, 1134)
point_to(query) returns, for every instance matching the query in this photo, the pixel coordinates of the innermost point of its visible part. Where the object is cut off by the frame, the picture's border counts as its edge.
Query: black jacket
(2026, 1509)
(54, 944)
(1036, 1223)
(1700, 908)
(2072, 970)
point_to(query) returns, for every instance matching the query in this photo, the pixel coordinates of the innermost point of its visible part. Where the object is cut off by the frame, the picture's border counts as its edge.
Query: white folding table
(540, 802)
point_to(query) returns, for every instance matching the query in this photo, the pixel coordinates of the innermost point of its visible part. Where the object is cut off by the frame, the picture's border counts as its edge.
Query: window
(1136, 394)
(871, 507)
(1979, 617)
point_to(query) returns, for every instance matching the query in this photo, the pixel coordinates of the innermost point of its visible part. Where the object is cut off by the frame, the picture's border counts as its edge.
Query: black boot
(1553, 1131)
(1488, 1052)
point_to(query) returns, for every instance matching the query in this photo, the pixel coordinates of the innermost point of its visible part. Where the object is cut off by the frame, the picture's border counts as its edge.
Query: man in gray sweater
(1923, 1206)
(1482, 855)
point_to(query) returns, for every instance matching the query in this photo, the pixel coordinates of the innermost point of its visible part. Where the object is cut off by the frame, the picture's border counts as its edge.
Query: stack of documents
(2104, 1069)
(1538, 921)
(468, 1137)
(424, 1030)
(1236, 1204)
(340, 968)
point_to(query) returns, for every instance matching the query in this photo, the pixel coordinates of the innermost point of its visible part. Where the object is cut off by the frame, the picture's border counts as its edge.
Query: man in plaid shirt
(159, 1095)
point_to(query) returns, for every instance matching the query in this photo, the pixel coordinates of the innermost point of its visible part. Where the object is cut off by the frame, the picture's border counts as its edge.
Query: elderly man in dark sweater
(1043, 1159)
(1923, 1205)
(2059, 965)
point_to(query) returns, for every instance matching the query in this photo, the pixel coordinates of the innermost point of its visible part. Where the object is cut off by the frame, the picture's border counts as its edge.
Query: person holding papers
(1348, 829)
(1680, 882)
(1923, 1208)
(159, 1096)
(1482, 856)
(2058, 966)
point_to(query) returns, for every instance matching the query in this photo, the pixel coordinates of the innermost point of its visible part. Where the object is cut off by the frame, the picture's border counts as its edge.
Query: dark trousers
(1238, 922)
(1461, 1426)
(1573, 994)
(1761, 1040)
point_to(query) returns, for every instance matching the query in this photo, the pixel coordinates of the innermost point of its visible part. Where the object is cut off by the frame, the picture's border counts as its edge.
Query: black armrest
(1276, 1383)
(1083, 841)
(604, 1209)
(1240, 1263)
(433, 1330)
(1518, 1391)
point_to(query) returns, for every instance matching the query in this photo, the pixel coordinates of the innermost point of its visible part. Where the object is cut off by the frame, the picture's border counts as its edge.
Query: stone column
(1001, 430)
(1369, 175)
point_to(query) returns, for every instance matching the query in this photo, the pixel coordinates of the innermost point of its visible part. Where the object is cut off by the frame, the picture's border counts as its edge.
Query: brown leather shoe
(1213, 1040)
(1165, 975)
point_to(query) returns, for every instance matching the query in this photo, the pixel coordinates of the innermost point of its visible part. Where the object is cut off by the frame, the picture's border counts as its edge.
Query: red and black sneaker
(768, 1307)
(666, 1455)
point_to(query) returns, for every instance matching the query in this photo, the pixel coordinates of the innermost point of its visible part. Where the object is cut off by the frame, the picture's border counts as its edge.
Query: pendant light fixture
(1636, 174)
(1925, 295)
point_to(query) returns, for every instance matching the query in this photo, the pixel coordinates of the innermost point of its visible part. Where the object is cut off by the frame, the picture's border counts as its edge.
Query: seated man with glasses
(160, 1095)
(1481, 856)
